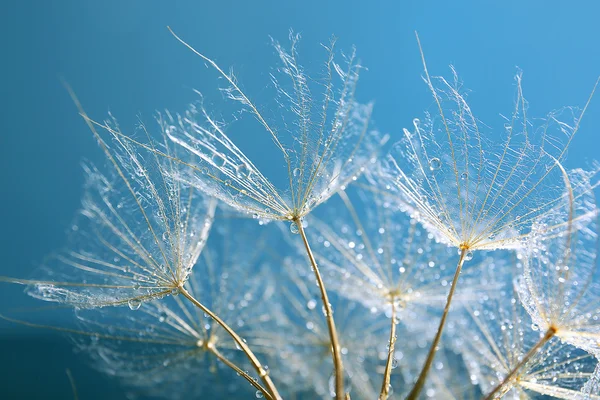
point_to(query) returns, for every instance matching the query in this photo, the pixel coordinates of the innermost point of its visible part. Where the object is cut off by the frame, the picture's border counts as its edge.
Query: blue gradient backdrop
(119, 57)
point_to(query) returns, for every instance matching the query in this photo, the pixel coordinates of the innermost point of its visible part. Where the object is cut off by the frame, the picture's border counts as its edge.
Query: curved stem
(335, 346)
(543, 340)
(73, 386)
(262, 373)
(385, 386)
(416, 390)
(237, 369)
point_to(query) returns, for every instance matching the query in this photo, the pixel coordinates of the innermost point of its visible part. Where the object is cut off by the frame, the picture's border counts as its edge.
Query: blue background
(119, 56)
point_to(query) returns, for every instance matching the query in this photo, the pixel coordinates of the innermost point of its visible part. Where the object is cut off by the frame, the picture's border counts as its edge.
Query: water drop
(259, 394)
(435, 164)
(294, 228)
(296, 171)
(134, 304)
(394, 363)
(311, 304)
(469, 256)
(162, 317)
(218, 159)
(240, 170)
(464, 176)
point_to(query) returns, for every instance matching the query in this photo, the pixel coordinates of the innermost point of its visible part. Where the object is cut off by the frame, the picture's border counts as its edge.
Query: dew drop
(469, 256)
(218, 159)
(435, 164)
(394, 363)
(294, 228)
(464, 176)
(311, 304)
(134, 304)
(241, 170)
(259, 394)
(162, 317)
(296, 171)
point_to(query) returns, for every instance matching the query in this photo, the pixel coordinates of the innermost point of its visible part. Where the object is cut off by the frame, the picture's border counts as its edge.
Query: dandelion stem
(543, 340)
(335, 346)
(385, 386)
(237, 369)
(72, 382)
(416, 390)
(262, 372)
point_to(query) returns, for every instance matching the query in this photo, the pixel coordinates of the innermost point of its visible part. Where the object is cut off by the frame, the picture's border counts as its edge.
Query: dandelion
(175, 297)
(509, 357)
(560, 285)
(325, 143)
(472, 193)
(136, 238)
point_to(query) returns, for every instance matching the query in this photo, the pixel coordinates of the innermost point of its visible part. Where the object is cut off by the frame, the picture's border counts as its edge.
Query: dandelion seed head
(139, 233)
(322, 133)
(496, 339)
(166, 344)
(468, 190)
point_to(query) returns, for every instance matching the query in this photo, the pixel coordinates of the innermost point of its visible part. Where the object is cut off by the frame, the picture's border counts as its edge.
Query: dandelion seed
(133, 242)
(330, 146)
(560, 285)
(498, 344)
(486, 196)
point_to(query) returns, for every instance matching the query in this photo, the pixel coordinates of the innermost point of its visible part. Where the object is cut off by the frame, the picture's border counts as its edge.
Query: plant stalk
(385, 386)
(543, 340)
(335, 346)
(239, 371)
(416, 390)
(262, 373)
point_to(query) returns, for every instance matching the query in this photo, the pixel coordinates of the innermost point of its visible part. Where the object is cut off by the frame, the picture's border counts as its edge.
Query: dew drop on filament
(435, 164)
(294, 228)
(134, 304)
